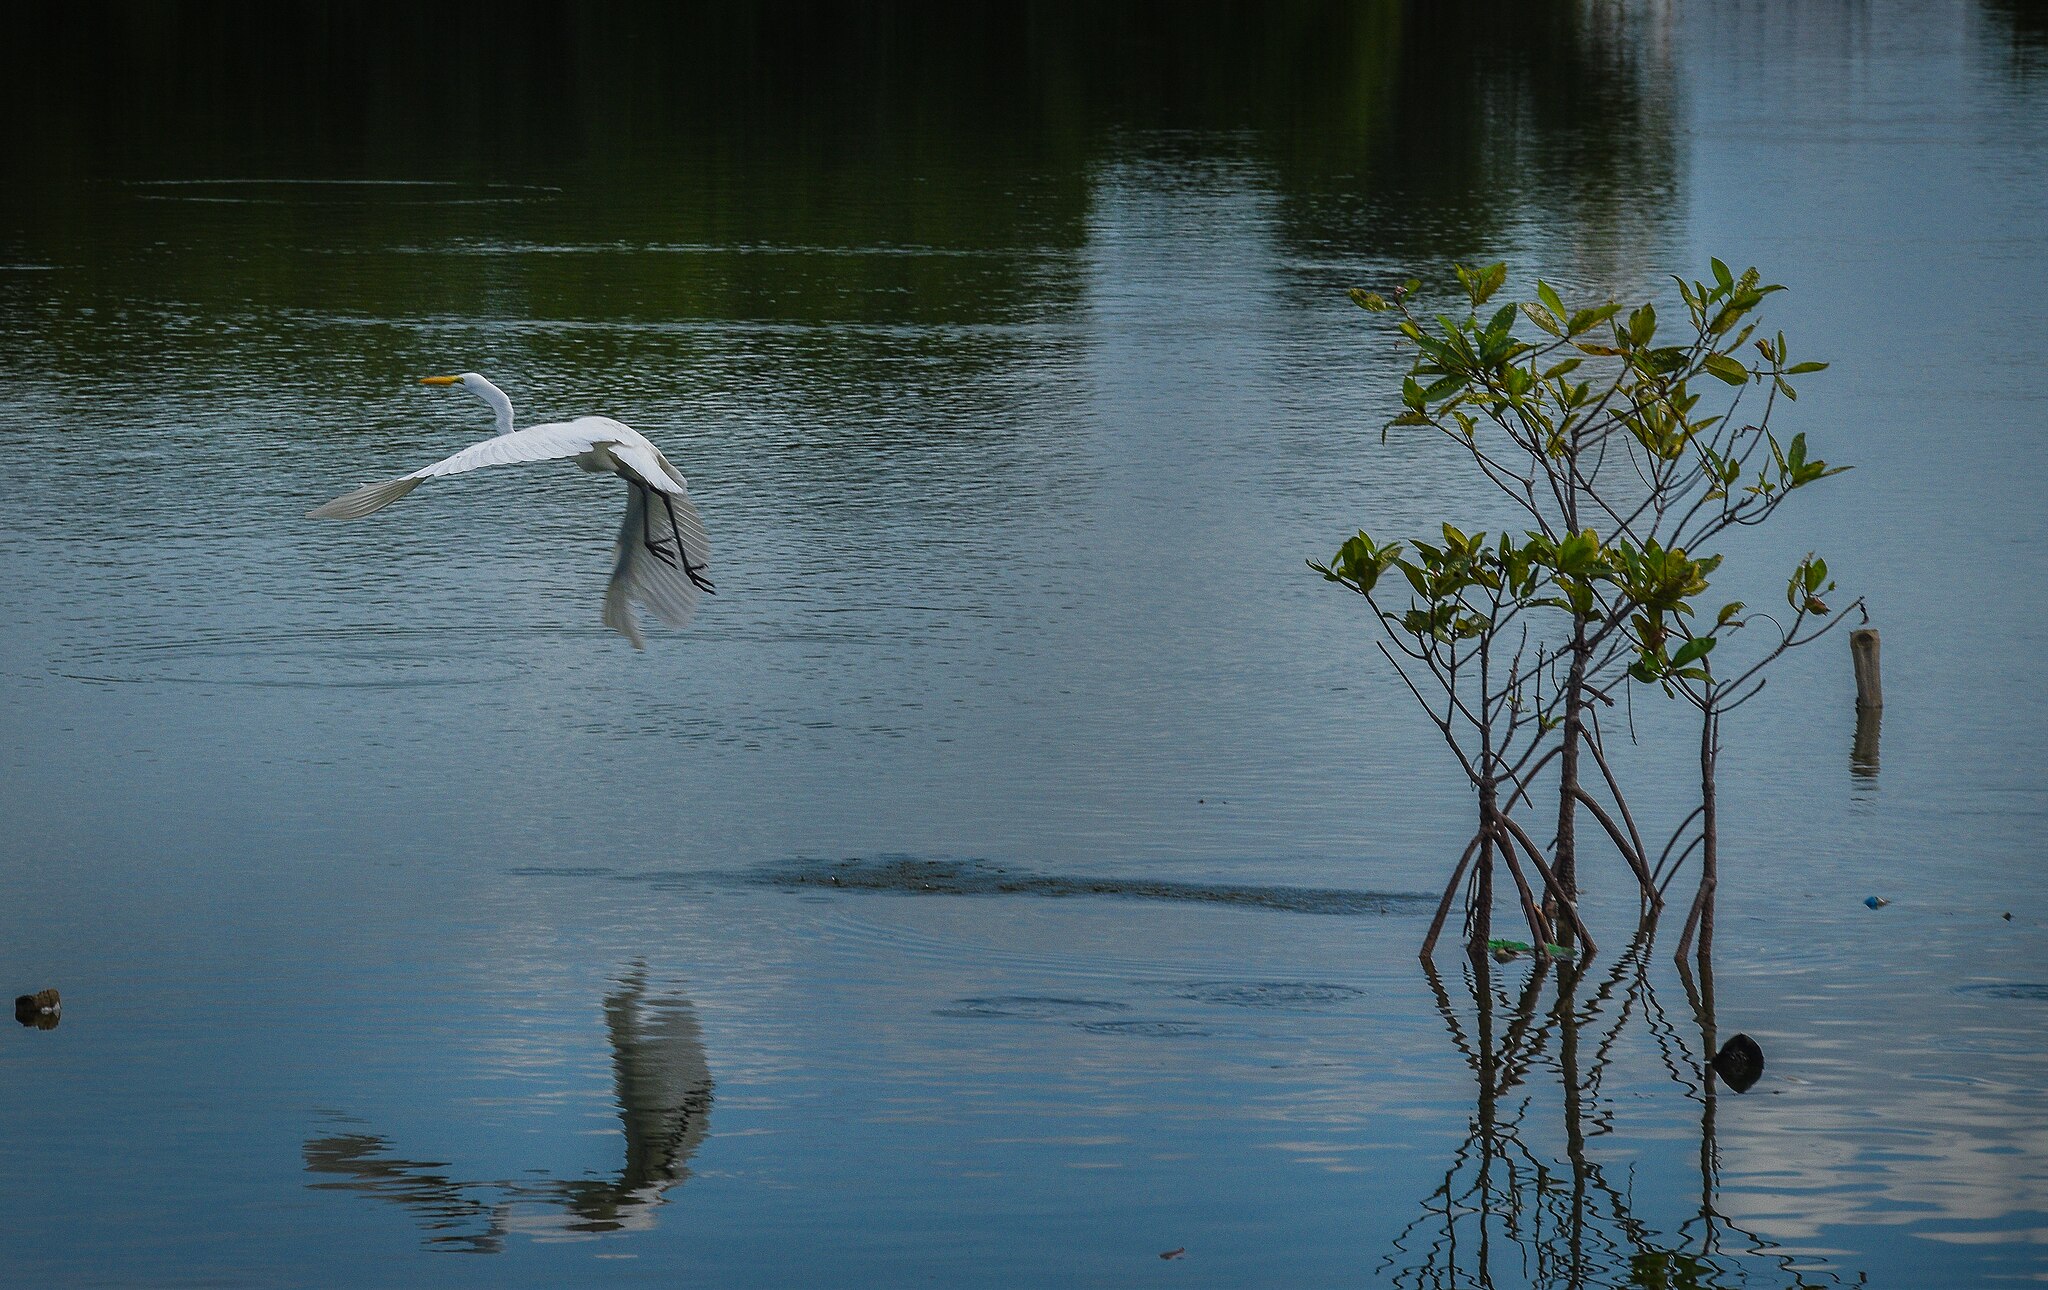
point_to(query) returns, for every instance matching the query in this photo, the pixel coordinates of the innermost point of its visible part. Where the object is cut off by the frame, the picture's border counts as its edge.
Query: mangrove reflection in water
(1525, 1201)
(663, 1089)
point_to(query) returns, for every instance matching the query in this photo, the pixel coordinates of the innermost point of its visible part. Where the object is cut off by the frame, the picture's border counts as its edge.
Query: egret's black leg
(656, 548)
(695, 571)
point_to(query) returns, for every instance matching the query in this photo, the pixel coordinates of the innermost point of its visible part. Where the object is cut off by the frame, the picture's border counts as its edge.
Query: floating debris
(1740, 1063)
(1876, 902)
(1505, 950)
(43, 1009)
(1174, 1254)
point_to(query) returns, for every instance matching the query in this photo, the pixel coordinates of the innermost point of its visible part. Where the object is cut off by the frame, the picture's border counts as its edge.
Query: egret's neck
(494, 396)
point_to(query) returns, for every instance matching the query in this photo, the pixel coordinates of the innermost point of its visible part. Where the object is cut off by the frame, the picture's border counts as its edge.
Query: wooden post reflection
(1863, 752)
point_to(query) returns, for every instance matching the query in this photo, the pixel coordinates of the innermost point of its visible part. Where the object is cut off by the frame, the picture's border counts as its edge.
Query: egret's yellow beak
(440, 380)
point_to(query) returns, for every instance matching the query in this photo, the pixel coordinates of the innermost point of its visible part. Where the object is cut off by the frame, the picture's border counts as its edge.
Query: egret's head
(484, 390)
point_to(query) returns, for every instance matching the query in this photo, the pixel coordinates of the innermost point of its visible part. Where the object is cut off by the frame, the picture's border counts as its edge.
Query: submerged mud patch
(2033, 991)
(561, 871)
(1269, 994)
(981, 878)
(1029, 1007)
(1143, 1029)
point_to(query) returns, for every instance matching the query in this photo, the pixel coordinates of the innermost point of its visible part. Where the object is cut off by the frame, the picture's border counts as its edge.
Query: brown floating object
(41, 1009)
(1863, 644)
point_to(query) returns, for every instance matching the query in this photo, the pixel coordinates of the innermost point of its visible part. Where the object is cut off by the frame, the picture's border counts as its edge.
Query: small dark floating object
(2008, 915)
(42, 1009)
(1876, 902)
(1740, 1063)
(1174, 1254)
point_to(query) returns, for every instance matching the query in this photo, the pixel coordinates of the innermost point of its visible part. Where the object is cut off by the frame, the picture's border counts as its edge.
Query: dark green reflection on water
(2023, 25)
(1382, 129)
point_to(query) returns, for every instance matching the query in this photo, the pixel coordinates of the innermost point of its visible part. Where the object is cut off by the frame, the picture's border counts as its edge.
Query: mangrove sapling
(1465, 632)
(1596, 425)
(1696, 471)
(1529, 428)
(1688, 672)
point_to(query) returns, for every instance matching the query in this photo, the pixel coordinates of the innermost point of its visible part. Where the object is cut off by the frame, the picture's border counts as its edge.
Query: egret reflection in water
(663, 1088)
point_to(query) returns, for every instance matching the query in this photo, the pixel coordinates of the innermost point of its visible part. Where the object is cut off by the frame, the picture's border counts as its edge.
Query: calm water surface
(414, 929)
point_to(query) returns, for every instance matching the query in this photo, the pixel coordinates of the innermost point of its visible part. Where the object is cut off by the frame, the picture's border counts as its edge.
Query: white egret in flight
(662, 552)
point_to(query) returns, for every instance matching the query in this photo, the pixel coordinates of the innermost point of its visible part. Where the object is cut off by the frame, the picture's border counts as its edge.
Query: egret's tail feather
(618, 613)
(652, 577)
(363, 501)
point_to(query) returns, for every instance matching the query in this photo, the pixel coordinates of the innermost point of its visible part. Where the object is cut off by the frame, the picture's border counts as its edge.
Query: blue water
(413, 929)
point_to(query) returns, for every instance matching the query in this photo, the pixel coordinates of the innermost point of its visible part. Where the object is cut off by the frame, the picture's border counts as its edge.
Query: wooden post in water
(1863, 651)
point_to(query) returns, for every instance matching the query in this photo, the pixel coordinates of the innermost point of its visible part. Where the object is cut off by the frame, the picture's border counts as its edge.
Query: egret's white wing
(538, 443)
(639, 574)
(535, 443)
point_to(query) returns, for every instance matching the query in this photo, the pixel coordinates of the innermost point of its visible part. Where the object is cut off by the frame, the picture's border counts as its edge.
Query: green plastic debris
(1523, 947)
